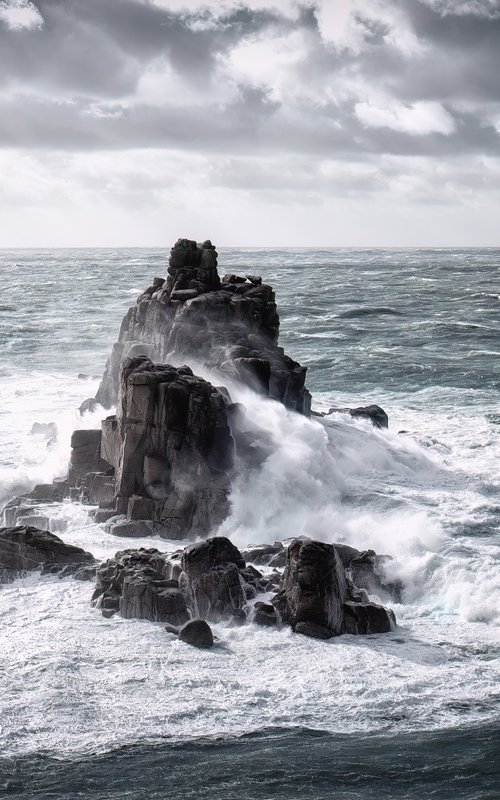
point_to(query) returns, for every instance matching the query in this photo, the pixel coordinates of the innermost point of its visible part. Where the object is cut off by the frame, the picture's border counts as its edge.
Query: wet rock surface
(209, 581)
(175, 449)
(314, 587)
(140, 584)
(26, 549)
(318, 599)
(214, 581)
(197, 633)
(231, 325)
(377, 416)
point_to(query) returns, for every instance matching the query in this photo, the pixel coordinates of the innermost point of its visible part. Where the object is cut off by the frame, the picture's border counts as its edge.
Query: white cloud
(350, 25)
(478, 8)
(269, 62)
(418, 119)
(19, 14)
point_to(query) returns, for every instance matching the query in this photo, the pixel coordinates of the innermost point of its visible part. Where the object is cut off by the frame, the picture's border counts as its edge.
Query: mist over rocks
(377, 416)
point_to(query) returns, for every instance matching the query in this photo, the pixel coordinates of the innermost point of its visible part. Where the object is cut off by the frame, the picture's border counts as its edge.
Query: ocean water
(110, 708)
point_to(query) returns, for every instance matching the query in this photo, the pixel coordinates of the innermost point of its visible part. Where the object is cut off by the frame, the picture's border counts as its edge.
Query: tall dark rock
(174, 449)
(314, 589)
(230, 325)
(317, 598)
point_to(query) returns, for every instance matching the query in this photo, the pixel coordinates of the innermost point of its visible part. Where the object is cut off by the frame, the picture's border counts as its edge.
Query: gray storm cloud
(332, 98)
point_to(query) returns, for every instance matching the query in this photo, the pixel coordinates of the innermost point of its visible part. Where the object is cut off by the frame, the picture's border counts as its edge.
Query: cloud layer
(164, 107)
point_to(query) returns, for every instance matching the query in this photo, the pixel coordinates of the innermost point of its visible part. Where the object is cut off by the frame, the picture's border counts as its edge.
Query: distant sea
(96, 708)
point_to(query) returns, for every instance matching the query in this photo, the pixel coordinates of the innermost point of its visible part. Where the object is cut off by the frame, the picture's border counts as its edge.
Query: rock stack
(163, 465)
(230, 325)
(171, 448)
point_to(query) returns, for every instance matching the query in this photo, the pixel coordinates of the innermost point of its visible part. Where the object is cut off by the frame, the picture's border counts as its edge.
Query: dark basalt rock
(25, 549)
(231, 325)
(314, 587)
(175, 449)
(213, 580)
(139, 584)
(204, 556)
(197, 633)
(314, 630)
(264, 614)
(374, 413)
(317, 597)
(367, 618)
(85, 457)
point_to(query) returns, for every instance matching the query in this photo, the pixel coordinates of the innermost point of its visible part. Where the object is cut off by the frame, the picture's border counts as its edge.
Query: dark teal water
(273, 765)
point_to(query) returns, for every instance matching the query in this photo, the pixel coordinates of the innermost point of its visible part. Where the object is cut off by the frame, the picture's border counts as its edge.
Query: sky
(351, 123)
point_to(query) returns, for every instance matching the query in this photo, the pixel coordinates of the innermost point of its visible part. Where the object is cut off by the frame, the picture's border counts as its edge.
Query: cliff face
(231, 325)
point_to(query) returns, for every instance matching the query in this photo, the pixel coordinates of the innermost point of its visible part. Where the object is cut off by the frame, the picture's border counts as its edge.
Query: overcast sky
(333, 122)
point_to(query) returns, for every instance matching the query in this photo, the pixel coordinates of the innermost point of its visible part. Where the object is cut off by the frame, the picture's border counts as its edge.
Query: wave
(370, 311)
(274, 763)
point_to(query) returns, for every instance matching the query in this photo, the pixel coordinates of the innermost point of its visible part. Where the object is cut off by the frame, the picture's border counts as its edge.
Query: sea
(112, 708)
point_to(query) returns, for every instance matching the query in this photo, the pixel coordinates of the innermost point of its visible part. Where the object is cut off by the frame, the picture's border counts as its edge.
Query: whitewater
(416, 331)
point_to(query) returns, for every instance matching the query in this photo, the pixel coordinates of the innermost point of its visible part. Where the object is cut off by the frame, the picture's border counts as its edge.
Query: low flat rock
(26, 549)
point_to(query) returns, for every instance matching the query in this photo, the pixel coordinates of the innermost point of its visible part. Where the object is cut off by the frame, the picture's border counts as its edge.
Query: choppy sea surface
(100, 708)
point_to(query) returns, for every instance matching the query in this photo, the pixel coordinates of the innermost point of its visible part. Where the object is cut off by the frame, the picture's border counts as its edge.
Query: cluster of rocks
(231, 325)
(212, 581)
(163, 465)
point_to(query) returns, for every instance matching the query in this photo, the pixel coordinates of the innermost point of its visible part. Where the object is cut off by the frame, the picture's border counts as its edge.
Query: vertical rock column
(176, 449)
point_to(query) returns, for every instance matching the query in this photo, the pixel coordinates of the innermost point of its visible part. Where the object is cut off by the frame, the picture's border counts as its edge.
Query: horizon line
(257, 247)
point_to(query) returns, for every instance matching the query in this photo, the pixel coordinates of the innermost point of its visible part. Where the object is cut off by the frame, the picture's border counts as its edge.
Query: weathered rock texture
(211, 581)
(314, 588)
(25, 549)
(317, 599)
(171, 447)
(231, 325)
(140, 584)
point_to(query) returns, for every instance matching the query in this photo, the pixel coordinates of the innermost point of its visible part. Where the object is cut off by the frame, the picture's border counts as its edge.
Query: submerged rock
(25, 549)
